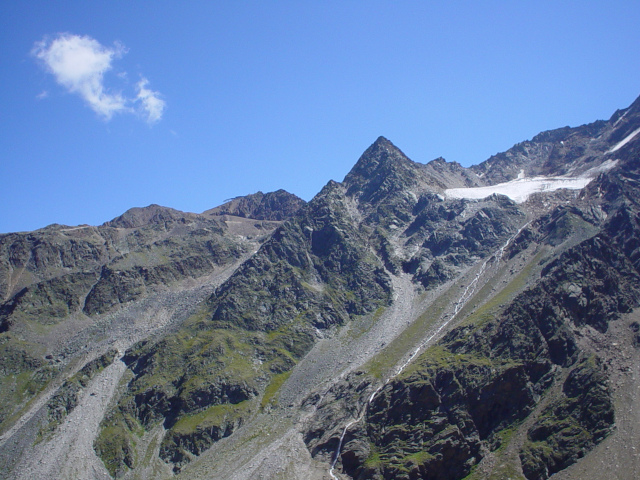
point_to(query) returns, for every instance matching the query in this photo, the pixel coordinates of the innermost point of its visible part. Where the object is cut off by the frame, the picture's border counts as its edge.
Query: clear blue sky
(107, 105)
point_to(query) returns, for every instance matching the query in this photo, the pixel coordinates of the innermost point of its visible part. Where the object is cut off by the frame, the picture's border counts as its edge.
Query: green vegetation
(22, 376)
(200, 382)
(214, 416)
(418, 458)
(505, 467)
(373, 461)
(490, 309)
(382, 364)
(117, 449)
(438, 358)
(315, 272)
(571, 424)
(464, 365)
(269, 396)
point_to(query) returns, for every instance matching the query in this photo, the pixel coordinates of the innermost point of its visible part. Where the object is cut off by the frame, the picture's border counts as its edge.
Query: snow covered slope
(521, 188)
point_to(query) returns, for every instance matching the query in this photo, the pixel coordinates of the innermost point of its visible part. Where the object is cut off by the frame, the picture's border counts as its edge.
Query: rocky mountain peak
(278, 205)
(383, 168)
(380, 158)
(140, 216)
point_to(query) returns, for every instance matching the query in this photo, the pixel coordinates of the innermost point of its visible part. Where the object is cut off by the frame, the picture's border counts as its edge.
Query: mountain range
(414, 321)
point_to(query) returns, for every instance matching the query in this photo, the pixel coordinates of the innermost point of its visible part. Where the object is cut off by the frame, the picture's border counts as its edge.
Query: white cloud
(79, 64)
(152, 104)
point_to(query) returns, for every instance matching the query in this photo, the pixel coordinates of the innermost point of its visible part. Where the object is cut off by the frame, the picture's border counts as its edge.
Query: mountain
(278, 205)
(412, 321)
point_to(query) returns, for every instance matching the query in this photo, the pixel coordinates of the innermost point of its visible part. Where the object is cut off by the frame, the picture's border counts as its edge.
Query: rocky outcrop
(331, 262)
(23, 374)
(28, 258)
(65, 399)
(53, 278)
(399, 198)
(278, 205)
(452, 235)
(56, 271)
(193, 435)
(120, 286)
(439, 418)
(572, 424)
(153, 214)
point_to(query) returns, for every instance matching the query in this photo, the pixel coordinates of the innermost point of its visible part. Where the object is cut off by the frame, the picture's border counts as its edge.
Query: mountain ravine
(414, 321)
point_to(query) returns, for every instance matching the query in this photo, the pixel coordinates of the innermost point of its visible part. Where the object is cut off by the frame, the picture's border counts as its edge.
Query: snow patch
(603, 167)
(626, 140)
(520, 189)
(621, 117)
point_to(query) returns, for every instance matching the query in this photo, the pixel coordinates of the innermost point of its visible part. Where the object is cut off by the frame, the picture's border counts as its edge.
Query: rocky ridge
(382, 330)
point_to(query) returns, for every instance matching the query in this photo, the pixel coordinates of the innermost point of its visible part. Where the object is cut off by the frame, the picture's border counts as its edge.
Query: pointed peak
(381, 163)
(624, 114)
(382, 141)
(439, 160)
(382, 154)
(385, 145)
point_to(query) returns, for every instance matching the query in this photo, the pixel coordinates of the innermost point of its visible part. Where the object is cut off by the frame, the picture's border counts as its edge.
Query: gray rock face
(278, 205)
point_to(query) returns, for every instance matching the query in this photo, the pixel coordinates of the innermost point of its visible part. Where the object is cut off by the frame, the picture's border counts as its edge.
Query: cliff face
(399, 325)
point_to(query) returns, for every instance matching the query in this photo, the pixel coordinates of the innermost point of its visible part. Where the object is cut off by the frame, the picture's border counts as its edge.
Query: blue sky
(110, 105)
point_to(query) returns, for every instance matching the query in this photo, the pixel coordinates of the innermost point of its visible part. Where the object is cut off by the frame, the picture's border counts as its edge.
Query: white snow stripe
(519, 190)
(626, 140)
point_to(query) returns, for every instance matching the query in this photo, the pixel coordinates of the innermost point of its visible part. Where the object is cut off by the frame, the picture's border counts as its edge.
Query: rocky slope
(399, 325)
(70, 293)
(529, 363)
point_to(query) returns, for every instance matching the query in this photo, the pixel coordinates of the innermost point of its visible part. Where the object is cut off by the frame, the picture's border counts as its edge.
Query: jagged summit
(566, 151)
(380, 159)
(625, 125)
(383, 170)
(277, 206)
